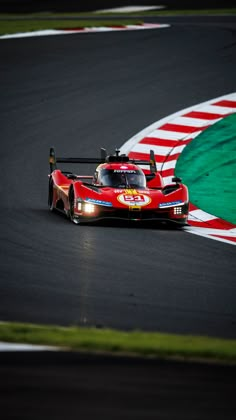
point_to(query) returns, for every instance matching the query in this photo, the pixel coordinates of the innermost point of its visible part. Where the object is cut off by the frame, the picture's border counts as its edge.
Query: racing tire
(50, 195)
(71, 211)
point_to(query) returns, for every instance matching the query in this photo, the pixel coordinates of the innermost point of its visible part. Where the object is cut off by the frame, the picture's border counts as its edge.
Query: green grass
(17, 26)
(118, 342)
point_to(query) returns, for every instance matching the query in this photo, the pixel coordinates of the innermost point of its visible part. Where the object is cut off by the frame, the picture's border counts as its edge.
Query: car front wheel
(73, 218)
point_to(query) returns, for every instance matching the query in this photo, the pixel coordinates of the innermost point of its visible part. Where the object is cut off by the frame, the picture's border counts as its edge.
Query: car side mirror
(176, 179)
(149, 177)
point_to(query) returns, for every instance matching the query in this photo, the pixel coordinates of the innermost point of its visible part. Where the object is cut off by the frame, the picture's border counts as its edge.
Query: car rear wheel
(50, 195)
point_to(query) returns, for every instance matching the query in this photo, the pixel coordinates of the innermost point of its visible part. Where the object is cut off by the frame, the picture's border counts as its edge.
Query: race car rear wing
(103, 159)
(53, 160)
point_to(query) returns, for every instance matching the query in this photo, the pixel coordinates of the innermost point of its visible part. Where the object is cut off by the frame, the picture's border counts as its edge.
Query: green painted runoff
(208, 167)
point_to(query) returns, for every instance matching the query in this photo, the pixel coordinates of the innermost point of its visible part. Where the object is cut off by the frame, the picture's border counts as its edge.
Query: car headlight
(178, 210)
(89, 208)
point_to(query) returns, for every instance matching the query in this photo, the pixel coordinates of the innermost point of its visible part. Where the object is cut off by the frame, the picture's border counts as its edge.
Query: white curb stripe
(213, 109)
(168, 179)
(158, 150)
(200, 215)
(194, 122)
(168, 165)
(166, 134)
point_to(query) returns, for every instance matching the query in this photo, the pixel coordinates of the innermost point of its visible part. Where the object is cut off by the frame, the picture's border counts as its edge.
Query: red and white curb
(168, 137)
(101, 29)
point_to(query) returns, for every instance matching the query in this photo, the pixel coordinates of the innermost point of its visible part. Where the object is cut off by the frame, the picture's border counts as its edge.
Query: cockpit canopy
(121, 178)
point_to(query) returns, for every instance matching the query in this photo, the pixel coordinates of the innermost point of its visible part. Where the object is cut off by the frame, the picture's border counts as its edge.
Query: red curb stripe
(167, 172)
(200, 224)
(140, 156)
(225, 103)
(145, 156)
(192, 207)
(228, 238)
(117, 26)
(204, 115)
(213, 224)
(182, 128)
(172, 157)
(158, 142)
(223, 224)
(163, 142)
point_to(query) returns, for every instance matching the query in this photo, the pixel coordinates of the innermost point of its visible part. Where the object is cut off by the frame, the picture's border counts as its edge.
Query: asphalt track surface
(78, 93)
(58, 387)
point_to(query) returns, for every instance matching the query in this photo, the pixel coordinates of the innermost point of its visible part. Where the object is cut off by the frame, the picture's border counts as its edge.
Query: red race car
(119, 189)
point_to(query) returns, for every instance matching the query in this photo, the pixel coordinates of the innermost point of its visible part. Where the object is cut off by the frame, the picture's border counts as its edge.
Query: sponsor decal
(131, 192)
(134, 199)
(171, 204)
(125, 171)
(99, 202)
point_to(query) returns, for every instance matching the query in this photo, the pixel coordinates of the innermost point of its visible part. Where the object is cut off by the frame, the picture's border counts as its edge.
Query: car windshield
(122, 178)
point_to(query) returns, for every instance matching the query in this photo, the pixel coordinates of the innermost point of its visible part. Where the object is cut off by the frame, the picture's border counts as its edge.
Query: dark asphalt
(78, 93)
(61, 386)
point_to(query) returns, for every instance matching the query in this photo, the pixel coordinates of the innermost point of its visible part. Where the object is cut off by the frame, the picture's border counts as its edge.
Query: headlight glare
(89, 208)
